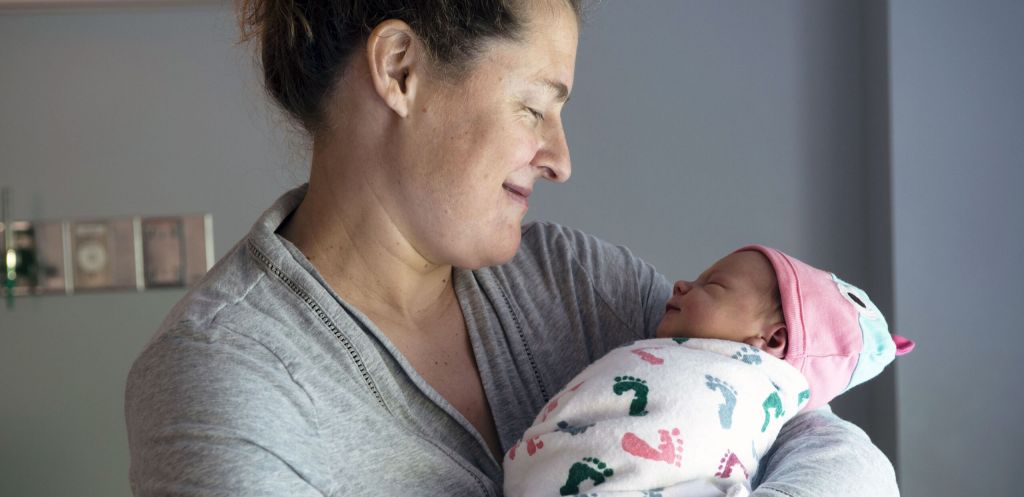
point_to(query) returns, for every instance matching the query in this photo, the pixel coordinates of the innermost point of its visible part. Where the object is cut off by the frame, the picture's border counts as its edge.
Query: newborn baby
(757, 338)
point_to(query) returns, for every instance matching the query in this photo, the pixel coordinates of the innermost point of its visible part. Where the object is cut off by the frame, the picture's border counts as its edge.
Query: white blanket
(661, 417)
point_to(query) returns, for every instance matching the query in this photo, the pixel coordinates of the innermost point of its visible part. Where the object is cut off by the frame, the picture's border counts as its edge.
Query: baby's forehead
(747, 264)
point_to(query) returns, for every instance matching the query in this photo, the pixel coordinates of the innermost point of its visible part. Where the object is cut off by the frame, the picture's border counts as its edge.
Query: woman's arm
(817, 454)
(217, 413)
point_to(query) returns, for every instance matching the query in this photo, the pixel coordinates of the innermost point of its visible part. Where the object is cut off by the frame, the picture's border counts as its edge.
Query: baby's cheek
(664, 326)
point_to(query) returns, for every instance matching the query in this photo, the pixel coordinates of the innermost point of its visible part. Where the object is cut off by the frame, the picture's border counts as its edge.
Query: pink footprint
(647, 356)
(670, 450)
(554, 402)
(532, 446)
(727, 463)
(512, 451)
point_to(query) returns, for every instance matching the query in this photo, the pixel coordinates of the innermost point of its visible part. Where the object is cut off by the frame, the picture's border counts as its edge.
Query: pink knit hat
(836, 336)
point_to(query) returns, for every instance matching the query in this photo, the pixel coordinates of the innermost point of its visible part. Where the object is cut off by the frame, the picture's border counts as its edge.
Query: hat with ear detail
(836, 336)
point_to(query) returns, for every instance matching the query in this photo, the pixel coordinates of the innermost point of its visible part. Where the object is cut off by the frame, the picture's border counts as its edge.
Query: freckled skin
(452, 199)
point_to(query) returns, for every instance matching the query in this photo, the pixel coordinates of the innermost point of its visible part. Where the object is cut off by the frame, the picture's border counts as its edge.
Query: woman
(391, 328)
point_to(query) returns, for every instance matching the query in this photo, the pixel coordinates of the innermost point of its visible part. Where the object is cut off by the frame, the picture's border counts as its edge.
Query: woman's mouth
(518, 193)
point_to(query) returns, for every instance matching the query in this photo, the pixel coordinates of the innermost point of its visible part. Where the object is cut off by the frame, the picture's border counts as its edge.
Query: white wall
(695, 127)
(958, 233)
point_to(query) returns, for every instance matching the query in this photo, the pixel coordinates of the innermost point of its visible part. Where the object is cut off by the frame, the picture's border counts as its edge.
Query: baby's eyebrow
(723, 277)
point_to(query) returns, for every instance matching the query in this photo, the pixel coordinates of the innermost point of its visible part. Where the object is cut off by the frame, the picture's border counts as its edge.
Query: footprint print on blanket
(554, 402)
(728, 462)
(748, 355)
(670, 450)
(803, 397)
(649, 357)
(532, 446)
(726, 408)
(572, 430)
(590, 468)
(772, 403)
(639, 388)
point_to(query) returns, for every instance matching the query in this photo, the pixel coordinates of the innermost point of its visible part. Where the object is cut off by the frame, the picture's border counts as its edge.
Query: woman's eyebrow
(560, 90)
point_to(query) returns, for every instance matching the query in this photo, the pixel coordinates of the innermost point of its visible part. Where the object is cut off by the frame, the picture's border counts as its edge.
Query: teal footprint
(728, 394)
(572, 430)
(748, 355)
(803, 397)
(772, 403)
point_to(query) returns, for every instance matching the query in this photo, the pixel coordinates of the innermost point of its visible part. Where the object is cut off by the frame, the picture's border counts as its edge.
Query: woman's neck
(343, 231)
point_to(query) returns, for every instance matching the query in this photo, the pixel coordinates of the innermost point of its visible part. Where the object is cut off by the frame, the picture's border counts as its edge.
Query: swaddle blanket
(658, 417)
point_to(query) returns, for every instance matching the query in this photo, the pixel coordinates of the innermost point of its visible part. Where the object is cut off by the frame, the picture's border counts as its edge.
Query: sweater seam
(325, 320)
(526, 345)
(291, 375)
(773, 489)
(597, 290)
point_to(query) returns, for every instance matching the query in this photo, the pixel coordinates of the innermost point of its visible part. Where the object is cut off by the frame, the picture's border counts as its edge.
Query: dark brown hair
(305, 44)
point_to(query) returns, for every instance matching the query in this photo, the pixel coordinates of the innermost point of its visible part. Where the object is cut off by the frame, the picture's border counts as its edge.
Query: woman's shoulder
(546, 240)
(554, 249)
(239, 304)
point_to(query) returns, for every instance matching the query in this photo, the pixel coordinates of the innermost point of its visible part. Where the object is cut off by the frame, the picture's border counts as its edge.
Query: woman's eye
(536, 115)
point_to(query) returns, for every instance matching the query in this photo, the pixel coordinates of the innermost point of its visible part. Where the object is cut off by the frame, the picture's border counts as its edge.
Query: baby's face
(731, 300)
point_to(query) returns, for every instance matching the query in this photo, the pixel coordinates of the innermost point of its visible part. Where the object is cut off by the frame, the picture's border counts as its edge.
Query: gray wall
(957, 174)
(698, 127)
(695, 127)
(114, 112)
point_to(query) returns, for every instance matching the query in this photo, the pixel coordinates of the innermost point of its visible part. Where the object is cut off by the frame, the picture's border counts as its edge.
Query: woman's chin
(493, 252)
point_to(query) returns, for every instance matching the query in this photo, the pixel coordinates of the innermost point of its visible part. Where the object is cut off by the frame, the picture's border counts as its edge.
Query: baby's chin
(665, 331)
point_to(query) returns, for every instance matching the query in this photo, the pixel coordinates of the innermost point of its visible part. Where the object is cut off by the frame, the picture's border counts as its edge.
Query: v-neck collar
(462, 280)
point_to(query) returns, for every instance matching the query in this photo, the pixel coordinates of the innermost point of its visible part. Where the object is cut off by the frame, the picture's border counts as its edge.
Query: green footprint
(590, 468)
(803, 396)
(624, 384)
(772, 402)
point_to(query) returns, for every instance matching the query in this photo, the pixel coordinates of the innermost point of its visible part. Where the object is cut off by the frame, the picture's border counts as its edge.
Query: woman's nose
(553, 158)
(681, 287)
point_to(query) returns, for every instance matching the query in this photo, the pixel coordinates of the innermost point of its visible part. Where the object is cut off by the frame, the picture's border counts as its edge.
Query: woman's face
(472, 150)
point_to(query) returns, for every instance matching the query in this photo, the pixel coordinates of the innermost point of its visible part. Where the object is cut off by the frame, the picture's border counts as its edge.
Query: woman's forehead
(547, 49)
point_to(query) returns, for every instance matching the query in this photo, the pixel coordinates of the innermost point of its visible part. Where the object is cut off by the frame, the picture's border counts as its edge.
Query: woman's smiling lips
(520, 194)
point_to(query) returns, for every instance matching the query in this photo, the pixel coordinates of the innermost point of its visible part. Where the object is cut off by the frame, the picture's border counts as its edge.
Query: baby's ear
(775, 340)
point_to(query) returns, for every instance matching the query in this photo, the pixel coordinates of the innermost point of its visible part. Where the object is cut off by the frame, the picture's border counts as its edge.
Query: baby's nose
(681, 287)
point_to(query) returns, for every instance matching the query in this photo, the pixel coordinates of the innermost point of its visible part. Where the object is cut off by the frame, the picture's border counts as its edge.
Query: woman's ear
(775, 337)
(392, 52)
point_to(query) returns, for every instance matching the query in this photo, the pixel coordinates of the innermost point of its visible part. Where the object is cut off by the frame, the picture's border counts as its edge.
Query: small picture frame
(51, 263)
(198, 246)
(164, 259)
(103, 255)
(91, 257)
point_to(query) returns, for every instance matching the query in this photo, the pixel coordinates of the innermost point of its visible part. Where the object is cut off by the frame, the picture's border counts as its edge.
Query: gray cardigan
(262, 381)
